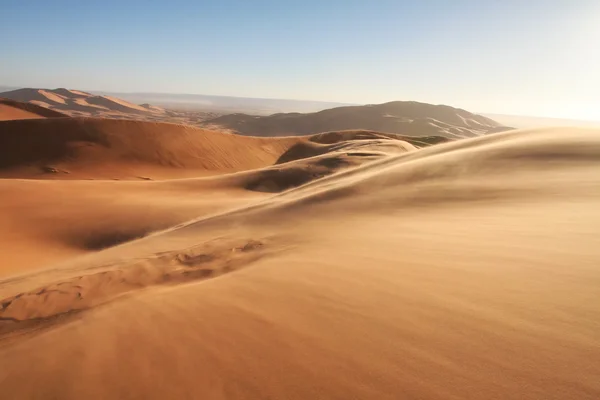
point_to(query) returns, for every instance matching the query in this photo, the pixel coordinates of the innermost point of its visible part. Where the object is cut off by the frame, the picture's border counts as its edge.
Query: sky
(525, 57)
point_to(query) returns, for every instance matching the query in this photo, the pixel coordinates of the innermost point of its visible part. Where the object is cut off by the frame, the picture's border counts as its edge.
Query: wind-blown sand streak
(364, 269)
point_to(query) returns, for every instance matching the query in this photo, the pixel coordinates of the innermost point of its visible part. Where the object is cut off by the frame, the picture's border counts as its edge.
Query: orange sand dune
(403, 117)
(82, 102)
(71, 93)
(10, 109)
(464, 270)
(88, 147)
(53, 97)
(68, 216)
(114, 103)
(75, 102)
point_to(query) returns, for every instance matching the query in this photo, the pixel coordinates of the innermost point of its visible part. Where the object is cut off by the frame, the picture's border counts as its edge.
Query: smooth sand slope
(70, 184)
(465, 270)
(404, 117)
(94, 148)
(15, 110)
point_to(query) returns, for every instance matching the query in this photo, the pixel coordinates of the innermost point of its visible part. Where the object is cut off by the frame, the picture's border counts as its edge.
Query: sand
(408, 118)
(349, 265)
(7, 112)
(89, 148)
(76, 103)
(15, 110)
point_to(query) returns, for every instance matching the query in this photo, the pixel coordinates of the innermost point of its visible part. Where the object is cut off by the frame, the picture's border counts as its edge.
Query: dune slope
(66, 216)
(467, 270)
(10, 109)
(78, 103)
(403, 117)
(111, 148)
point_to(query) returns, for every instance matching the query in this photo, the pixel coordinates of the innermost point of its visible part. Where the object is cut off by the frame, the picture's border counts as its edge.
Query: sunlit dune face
(464, 270)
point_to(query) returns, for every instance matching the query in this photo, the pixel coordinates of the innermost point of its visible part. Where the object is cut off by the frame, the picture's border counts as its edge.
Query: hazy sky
(532, 57)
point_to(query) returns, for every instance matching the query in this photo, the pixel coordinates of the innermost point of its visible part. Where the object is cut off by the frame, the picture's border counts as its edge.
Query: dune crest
(91, 146)
(112, 173)
(79, 103)
(387, 269)
(74, 101)
(408, 118)
(14, 110)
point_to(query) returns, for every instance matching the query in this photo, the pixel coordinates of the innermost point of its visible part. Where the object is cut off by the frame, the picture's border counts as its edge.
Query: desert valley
(398, 250)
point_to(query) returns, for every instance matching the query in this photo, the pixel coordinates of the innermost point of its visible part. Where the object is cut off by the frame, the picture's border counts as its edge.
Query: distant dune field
(77, 103)
(159, 261)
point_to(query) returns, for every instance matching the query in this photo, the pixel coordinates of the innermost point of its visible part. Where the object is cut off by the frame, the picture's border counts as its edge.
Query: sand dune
(79, 103)
(12, 110)
(404, 117)
(464, 270)
(69, 216)
(103, 148)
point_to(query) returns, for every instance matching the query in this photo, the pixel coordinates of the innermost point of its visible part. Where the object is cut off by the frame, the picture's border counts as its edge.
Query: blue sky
(528, 57)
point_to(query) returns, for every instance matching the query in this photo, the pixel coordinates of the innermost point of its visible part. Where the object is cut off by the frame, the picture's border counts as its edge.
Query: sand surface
(76, 103)
(346, 266)
(7, 112)
(15, 110)
(403, 117)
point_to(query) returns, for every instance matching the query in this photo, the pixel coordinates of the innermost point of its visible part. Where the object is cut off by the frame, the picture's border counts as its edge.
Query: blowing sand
(362, 268)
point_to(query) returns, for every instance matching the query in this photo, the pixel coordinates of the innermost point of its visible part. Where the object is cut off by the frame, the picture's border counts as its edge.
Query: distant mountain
(403, 117)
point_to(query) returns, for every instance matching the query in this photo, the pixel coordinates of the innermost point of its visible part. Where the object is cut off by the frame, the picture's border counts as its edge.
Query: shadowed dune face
(351, 265)
(89, 145)
(406, 118)
(67, 216)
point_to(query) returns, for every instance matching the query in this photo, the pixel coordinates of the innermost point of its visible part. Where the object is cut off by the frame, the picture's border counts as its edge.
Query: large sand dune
(14, 110)
(344, 265)
(93, 148)
(404, 117)
(76, 102)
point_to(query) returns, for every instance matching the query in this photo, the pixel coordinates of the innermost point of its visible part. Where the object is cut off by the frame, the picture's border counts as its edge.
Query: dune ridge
(82, 143)
(92, 222)
(408, 118)
(14, 110)
(76, 102)
(388, 269)
(71, 148)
